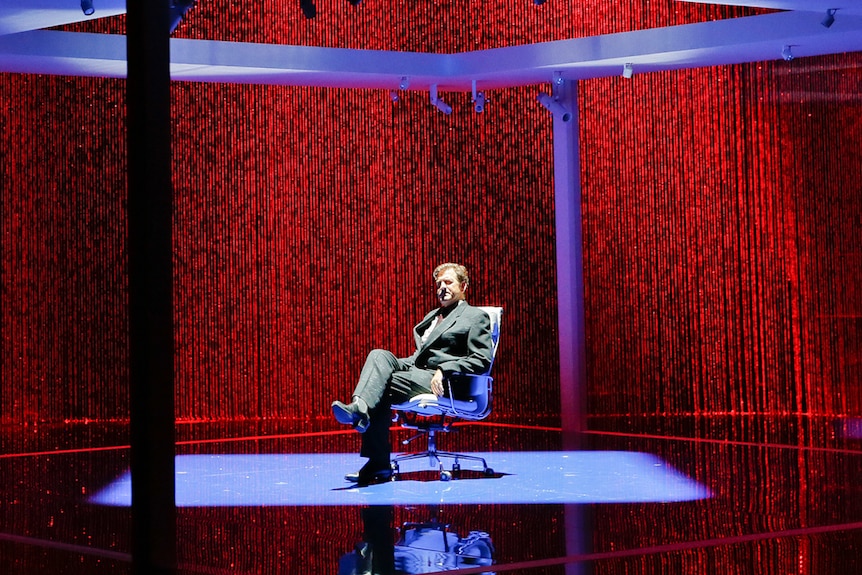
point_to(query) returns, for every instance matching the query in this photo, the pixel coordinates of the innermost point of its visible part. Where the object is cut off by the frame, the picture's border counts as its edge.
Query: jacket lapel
(420, 327)
(447, 322)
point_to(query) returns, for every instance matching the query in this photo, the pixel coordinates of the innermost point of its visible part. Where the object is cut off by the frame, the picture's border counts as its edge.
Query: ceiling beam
(722, 42)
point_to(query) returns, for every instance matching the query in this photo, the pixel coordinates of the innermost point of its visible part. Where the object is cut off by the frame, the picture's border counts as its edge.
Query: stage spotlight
(442, 106)
(829, 20)
(628, 70)
(404, 83)
(438, 103)
(554, 107)
(393, 95)
(478, 100)
(787, 53)
(479, 103)
(87, 7)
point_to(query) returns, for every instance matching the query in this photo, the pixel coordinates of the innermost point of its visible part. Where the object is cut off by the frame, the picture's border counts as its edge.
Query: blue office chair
(468, 398)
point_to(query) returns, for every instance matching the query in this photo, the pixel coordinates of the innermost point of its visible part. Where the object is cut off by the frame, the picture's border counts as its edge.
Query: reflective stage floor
(741, 497)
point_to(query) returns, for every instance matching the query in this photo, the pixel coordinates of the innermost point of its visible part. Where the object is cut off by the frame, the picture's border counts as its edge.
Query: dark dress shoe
(350, 414)
(371, 472)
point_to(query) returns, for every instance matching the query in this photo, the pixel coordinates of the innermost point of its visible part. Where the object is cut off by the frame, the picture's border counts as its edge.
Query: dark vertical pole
(150, 288)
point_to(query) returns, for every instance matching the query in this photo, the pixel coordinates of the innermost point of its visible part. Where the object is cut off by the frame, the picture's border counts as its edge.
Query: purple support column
(570, 293)
(570, 264)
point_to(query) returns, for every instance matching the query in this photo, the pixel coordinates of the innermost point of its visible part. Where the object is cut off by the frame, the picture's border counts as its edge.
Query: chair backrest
(480, 384)
(473, 400)
(495, 314)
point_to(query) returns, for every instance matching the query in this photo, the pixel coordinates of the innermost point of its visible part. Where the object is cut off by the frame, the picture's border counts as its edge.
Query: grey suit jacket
(460, 344)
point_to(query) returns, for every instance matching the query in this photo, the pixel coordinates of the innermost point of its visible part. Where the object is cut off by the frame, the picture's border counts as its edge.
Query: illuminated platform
(274, 500)
(521, 478)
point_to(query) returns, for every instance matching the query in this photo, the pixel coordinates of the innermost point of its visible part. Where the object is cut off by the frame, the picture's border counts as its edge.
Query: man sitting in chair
(454, 338)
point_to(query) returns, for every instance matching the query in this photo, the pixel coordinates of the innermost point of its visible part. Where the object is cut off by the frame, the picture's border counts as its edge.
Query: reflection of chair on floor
(468, 398)
(426, 547)
(423, 547)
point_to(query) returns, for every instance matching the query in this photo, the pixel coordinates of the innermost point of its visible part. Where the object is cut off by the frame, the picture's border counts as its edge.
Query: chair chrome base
(434, 457)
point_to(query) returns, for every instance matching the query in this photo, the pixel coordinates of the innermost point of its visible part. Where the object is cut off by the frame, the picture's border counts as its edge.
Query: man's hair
(460, 272)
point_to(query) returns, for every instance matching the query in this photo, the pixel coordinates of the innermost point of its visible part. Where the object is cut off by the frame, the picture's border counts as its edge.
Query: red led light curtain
(721, 225)
(65, 323)
(313, 239)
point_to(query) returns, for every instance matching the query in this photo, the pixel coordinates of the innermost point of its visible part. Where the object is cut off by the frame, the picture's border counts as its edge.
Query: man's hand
(437, 383)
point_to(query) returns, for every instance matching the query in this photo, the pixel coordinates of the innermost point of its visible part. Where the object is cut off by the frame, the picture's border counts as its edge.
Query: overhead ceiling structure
(795, 30)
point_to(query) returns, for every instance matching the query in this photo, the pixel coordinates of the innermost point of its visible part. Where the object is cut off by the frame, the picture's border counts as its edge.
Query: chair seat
(430, 404)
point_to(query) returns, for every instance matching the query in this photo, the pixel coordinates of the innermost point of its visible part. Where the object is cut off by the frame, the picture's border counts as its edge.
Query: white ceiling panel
(731, 41)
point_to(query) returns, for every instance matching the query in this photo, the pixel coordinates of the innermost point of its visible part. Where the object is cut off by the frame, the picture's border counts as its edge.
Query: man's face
(449, 289)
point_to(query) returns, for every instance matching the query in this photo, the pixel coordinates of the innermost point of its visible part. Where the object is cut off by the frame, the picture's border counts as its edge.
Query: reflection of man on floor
(375, 555)
(454, 338)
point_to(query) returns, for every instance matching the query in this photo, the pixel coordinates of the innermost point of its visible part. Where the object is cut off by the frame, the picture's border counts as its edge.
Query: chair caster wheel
(445, 476)
(489, 472)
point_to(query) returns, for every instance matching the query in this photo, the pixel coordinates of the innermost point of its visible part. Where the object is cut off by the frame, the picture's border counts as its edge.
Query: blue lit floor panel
(521, 478)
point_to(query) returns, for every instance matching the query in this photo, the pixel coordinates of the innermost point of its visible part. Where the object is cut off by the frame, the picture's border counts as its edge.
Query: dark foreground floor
(272, 499)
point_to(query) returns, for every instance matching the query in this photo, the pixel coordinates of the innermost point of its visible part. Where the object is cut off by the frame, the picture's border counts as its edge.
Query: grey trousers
(384, 380)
